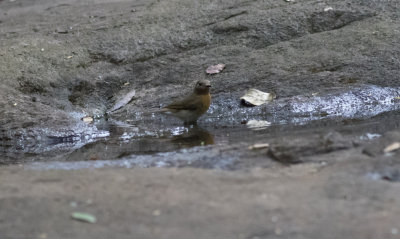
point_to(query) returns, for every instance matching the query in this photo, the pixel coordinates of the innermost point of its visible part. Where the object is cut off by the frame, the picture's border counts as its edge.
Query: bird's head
(202, 87)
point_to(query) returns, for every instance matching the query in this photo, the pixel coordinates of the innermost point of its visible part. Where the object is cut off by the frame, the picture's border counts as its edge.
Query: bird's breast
(206, 100)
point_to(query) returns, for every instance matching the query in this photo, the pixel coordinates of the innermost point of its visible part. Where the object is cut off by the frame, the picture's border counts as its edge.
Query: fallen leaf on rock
(84, 217)
(87, 119)
(215, 69)
(69, 57)
(122, 102)
(62, 31)
(43, 236)
(94, 157)
(327, 9)
(259, 146)
(393, 147)
(156, 212)
(258, 124)
(254, 97)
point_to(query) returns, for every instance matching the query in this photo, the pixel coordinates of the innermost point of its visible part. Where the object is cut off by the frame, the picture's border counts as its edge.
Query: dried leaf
(256, 97)
(87, 119)
(122, 102)
(43, 236)
(327, 9)
(156, 212)
(259, 146)
(62, 31)
(94, 157)
(215, 69)
(393, 147)
(258, 124)
(84, 217)
(69, 57)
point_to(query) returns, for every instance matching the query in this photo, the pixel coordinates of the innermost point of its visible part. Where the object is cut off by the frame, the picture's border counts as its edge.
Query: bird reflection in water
(195, 136)
(121, 145)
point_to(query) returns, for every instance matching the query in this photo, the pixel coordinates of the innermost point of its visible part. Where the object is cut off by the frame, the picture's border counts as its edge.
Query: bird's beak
(208, 86)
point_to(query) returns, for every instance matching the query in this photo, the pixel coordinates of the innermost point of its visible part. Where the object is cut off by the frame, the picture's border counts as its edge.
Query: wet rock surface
(104, 50)
(334, 66)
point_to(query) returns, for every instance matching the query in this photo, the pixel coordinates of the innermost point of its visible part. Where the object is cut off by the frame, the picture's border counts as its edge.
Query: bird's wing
(190, 103)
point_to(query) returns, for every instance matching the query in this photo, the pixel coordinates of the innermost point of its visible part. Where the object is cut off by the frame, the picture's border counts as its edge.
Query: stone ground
(62, 60)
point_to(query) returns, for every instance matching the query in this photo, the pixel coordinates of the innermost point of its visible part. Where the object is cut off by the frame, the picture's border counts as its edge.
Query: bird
(194, 105)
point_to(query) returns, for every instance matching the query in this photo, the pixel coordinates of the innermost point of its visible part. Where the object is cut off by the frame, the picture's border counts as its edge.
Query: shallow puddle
(202, 146)
(159, 141)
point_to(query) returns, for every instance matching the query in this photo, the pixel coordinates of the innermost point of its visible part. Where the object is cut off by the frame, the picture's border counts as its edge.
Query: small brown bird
(190, 108)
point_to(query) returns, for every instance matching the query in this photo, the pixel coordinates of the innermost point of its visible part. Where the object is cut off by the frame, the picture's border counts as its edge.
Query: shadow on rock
(293, 151)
